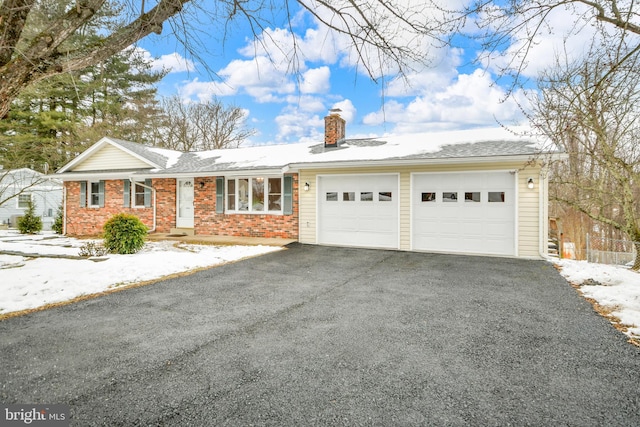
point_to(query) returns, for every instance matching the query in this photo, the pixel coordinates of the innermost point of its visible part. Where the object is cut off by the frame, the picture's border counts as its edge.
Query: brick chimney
(334, 128)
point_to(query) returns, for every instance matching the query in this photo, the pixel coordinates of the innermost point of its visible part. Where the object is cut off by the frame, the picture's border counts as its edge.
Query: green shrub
(124, 234)
(57, 225)
(30, 223)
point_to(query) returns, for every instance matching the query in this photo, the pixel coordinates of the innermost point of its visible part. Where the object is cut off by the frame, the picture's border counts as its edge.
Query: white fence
(610, 251)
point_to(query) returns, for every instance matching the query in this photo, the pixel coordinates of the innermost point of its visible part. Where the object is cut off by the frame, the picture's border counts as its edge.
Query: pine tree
(30, 223)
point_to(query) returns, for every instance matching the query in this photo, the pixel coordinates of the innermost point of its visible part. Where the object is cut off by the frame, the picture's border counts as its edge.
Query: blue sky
(452, 92)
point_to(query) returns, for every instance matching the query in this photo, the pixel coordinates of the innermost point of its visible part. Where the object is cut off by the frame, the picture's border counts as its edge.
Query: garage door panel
(364, 211)
(470, 223)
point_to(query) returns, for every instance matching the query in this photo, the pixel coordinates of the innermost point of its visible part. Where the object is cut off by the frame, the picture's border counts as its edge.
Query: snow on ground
(33, 282)
(614, 287)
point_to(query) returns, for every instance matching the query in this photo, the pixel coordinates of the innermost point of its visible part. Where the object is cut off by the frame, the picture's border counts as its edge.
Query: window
(472, 196)
(275, 194)
(243, 194)
(496, 196)
(366, 196)
(138, 196)
(257, 194)
(348, 196)
(332, 196)
(384, 196)
(94, 194)
(450, 196)
(231, 194)
(23, 201)
(428, 197)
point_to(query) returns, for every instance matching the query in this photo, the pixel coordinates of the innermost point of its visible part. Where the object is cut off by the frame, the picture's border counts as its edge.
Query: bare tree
(201, 126)
(15, 182)
(383, 33)
(593, 112)
(516, 25)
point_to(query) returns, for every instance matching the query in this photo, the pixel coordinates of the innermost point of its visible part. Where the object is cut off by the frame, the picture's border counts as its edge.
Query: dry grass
(607, 311)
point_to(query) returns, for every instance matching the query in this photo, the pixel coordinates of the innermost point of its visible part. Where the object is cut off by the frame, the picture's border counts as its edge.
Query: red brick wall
(88, 221)
(206, 220)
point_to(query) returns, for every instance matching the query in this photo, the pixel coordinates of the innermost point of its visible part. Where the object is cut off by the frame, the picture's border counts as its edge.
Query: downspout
(64, 210)
(542, 196)
(153, 191)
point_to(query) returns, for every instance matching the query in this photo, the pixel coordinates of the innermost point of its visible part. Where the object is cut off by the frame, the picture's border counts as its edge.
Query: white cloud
(565, 32)
(315, 80)
(171, 62)
(307, 103)
(204, 91)
(472, 100)
(174, 62)
(441, 71)
(295, 125)
(348, 112)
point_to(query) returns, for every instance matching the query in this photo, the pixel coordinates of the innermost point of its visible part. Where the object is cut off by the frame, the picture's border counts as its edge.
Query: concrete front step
(182, 232)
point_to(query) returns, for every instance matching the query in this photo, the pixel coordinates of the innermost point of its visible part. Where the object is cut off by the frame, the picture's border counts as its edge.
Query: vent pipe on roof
(334, 128)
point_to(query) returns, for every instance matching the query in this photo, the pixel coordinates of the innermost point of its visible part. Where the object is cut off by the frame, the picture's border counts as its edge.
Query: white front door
(184, 217)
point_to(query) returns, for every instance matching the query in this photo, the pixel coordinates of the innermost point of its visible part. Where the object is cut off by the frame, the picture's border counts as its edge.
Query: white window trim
(18, 200)
(133, 194)
(89, 193)
(250, 195)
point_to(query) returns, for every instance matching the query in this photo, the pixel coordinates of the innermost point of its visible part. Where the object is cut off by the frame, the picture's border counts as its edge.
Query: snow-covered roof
(469, 145)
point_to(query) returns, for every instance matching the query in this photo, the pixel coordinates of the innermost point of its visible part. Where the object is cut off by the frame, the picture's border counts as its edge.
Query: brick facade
(88, 221)
(207, 221)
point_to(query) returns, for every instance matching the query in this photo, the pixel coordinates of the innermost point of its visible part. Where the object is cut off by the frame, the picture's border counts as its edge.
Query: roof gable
(114, 154)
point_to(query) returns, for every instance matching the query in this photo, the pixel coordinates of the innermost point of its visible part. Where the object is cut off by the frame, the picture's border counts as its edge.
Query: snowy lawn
(27, 282)
(616, 290)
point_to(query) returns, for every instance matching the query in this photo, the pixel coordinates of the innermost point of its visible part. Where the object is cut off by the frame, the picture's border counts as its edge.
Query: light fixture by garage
(530, 183)
(307, 186)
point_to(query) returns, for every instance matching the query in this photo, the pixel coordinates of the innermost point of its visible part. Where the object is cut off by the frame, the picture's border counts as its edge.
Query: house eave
(295, 167)
(97, 175)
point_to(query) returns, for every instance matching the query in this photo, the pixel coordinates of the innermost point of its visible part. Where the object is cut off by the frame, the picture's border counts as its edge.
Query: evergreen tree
(55, 120)
(30, 223)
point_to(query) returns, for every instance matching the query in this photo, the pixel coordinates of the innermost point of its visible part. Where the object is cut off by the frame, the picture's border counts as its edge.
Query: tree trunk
(42, 59)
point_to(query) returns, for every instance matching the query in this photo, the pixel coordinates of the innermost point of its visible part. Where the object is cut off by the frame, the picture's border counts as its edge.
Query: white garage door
(358, 210)
(464, 212)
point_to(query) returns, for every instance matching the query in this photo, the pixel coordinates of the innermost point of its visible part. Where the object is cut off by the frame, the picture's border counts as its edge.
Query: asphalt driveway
(331, 336)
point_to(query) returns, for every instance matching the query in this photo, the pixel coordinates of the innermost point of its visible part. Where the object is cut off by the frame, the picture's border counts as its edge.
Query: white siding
(110, 158)
(528, 209)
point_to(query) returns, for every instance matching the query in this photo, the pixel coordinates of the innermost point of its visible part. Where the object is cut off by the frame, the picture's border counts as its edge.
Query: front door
(184, 218)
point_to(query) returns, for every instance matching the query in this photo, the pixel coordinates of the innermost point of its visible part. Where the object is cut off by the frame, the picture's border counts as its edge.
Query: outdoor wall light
(307, 186)
(201, 184)
(530, 183)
